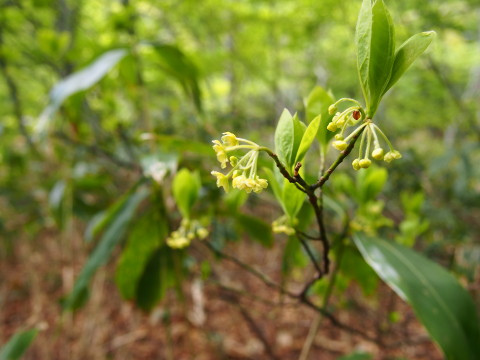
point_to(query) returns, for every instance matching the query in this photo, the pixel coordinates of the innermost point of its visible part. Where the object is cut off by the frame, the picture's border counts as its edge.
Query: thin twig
(299, 297)
(341, 157)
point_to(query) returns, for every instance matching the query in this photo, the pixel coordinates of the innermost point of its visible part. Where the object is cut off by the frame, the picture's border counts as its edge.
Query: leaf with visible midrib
(443, 306)
(408, 53)
(375, 42)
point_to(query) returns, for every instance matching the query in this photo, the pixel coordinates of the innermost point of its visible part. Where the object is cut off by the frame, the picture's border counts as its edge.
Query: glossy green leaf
(375, 40)
(79, 81)
(257, 229)
(113, 234)
(146, 236)
(186, 187)
(17, 345)
(298, 132)
(284, 137)
(408, 53)
(316, 104)
(443, 306)
(307, 138)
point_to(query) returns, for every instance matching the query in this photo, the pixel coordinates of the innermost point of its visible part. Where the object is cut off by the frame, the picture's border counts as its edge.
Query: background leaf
(17, 345)
(112, 236)
(79, 81)
(145, 237)
(186, 187)
(443, 306)
(316, 104)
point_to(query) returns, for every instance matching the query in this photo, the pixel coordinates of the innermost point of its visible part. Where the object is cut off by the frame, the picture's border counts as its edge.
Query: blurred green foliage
(187, 71)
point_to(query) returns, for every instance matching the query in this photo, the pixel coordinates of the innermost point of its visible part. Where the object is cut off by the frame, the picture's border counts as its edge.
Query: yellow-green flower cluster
(369, 143)
(183, 236)
(244, 170)
(282, 226)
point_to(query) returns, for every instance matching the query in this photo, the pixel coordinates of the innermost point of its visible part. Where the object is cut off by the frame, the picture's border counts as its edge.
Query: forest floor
(213, 322)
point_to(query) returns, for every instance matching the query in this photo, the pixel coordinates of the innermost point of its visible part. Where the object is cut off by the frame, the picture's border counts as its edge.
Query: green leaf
(79, 81)
(186, 187)
(443, 306)
(162, 272)
(292, 199)
(375, 40)
(284, 137)
(17, 345)
(151, 287)
(298, 132)
(408, 53)
(145, 237)
(176, 63)
(316, 104)
(370, 183)
(307, 138)
(274, 185)
(111, 237)
(257, 229)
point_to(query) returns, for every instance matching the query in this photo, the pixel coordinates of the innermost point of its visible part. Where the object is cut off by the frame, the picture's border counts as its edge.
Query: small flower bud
(396, 154)
(332, 127)
(355, 164)
(365, 163)
(202, 233)
(338, 137)
(377, 154)
(340, 145)
(332, 109)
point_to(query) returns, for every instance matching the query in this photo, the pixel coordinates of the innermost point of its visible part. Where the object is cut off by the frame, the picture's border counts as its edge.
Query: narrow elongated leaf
(176, 63)
(307, 139)
(186, 187)
(316, 104)
(443, 306)
(375, 40)
(17, 345)
(79, 81)
(298, 131)
(408, 53)
(284, 137)
(146, 236)
(111, 237)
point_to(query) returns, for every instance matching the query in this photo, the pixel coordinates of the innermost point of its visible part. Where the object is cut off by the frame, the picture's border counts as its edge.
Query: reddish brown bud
(356, 114)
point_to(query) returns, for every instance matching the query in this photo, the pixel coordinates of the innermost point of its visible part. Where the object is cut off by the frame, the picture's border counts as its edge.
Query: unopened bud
(365, 163)
(355, 164)
(377, 154)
